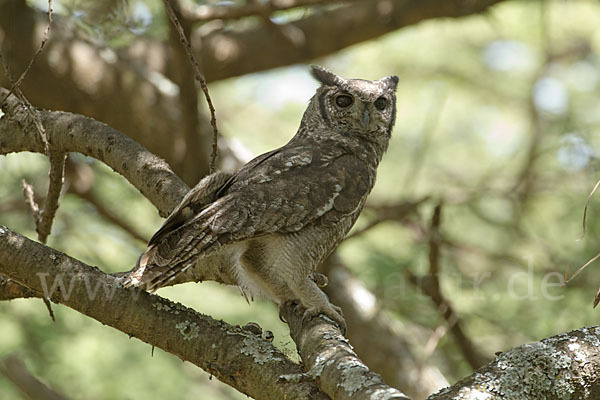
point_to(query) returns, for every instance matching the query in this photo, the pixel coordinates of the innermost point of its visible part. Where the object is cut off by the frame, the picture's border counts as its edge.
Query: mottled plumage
(272, 222)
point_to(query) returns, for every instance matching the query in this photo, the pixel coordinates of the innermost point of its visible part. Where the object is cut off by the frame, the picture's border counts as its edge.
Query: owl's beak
(366, 118)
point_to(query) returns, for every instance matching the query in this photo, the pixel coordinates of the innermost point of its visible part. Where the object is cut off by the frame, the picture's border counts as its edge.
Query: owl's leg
(316, 302)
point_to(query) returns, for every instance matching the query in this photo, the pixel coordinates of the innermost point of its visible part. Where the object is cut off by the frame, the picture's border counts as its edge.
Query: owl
(271, 223)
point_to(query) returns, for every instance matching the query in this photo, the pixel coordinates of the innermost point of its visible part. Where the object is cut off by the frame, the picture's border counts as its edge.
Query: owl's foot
(331, 311)
(320, 279)
(288, 303)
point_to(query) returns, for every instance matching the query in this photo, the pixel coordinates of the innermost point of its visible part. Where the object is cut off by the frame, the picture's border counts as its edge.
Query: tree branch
(565, 366)
(56, 176)
(236, 52)
(328, 357)
(14, 369)
(430, 285)
(75, 133)
(172, 327)
(394, 358)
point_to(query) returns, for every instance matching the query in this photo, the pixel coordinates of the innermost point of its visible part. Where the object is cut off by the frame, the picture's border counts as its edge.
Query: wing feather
(293, 189)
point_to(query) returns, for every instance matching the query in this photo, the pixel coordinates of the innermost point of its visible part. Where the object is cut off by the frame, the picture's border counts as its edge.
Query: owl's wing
(281, 191)
(205, 192)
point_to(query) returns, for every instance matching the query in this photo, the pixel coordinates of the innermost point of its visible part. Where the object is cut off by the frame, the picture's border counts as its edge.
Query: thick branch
(233, 53)
(172, 327)
(565, 366)
(328, 357)
(75, 133)
(394, 358)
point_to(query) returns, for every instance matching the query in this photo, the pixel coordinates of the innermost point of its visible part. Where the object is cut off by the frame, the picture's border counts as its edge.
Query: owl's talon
(288, 303)
(320, 279)
(334, 313)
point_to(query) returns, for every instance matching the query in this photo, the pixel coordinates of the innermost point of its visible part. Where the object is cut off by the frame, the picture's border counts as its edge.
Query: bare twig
(31, 112)
(108, 215)
(14, 369)
(430, 285)
(30, 199)
(587, 202)
(56, 175)
(200, 79)
(39, 50)
(383, 213)
(584, 266)
(44, 217)
(49, 308)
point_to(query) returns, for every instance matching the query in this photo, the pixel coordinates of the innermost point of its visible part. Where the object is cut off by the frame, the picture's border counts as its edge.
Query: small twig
(14, 369)
(49, 308)
(39, 50)
(30, 199)
(200, 79)
(31, 112)
(56, 175)
(587, 202)
(384, 213)
(434, 248)
(580, 269)
(430, 285)
(109, 216)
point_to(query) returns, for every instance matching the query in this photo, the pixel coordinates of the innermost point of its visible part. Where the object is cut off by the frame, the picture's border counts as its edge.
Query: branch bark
(393, 358)
(232, 53)
(26, 263)
(564, 366)
(172, 327)
(132, 89)
(68, 132)
(553, 368)
(328, 357)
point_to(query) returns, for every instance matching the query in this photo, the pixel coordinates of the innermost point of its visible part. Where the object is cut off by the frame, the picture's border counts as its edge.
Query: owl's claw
(333, 312)
(320, 279)
(291, 303)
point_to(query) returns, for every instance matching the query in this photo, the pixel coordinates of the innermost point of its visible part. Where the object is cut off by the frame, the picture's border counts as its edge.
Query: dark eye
(380, 103)
(344, 100)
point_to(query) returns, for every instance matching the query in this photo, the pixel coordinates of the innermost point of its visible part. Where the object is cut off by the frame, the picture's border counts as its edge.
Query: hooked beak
(366, 118)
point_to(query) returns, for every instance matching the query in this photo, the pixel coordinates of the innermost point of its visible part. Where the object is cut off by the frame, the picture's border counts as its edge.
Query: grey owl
(271, 223)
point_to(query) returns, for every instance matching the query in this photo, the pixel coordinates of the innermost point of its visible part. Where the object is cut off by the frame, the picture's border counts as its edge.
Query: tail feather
(173, 255)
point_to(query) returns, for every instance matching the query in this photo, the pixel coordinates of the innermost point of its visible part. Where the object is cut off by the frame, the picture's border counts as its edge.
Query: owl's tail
(163, 261)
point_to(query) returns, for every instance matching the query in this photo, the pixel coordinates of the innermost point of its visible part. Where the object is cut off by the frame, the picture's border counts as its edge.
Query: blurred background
(466, 238)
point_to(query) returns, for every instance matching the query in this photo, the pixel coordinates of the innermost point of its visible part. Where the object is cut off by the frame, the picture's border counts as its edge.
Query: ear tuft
(391, 82)
(325, 76)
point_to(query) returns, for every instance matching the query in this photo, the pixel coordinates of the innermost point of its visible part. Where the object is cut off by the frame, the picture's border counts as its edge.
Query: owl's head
(356, 106)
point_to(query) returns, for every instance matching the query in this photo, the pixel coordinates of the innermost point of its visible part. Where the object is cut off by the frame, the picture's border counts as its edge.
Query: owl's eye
(344, 100)
(380, 103)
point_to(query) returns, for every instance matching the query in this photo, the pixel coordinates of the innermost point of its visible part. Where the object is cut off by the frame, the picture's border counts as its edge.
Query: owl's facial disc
(366, 117)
